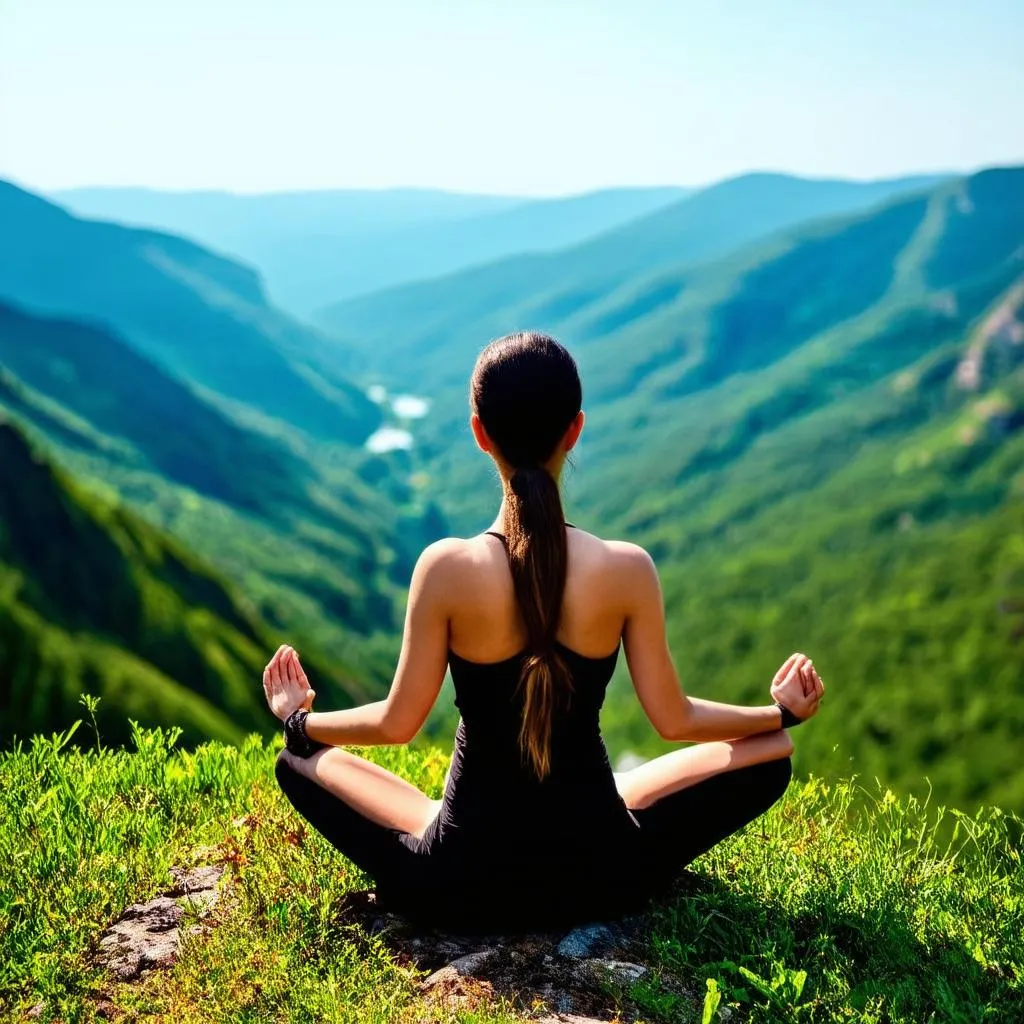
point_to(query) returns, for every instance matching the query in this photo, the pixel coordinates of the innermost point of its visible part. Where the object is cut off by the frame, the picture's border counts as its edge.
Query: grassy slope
(94, 599)
(835, 907)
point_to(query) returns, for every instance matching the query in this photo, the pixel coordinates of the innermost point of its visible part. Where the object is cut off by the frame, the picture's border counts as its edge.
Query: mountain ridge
(334, 244)
(197, 314)
(697, 229)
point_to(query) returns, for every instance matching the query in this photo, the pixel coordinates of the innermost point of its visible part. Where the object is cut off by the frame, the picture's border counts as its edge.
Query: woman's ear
(572, 435)
(483, 442)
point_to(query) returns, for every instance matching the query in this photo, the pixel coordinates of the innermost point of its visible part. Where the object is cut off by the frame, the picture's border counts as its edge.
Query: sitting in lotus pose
(534, 830)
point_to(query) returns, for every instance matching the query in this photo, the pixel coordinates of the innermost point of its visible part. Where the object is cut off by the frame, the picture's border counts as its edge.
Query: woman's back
(492, 786)
(485, 623)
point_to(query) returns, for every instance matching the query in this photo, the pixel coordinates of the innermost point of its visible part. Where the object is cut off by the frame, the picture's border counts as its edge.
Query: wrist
(296, 740)
(788, 719)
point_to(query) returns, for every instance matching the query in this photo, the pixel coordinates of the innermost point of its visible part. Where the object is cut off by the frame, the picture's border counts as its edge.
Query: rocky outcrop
(580, 977)
(147, 935)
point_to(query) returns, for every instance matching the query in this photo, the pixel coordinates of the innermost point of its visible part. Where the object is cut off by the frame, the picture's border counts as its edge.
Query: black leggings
(413, 879)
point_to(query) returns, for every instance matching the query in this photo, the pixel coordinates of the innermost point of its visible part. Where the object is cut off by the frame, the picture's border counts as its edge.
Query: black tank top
(493, 792)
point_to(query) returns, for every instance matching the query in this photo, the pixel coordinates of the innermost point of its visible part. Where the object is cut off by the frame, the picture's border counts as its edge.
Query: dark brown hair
(526, 390)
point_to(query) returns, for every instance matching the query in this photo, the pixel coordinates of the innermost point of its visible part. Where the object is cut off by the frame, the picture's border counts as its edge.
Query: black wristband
(788, 718)
(295, 739)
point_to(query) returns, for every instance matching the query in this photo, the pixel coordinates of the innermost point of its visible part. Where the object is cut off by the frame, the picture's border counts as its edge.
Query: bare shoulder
(450, 562)
(620, 558)
(448, 555)
(446, 551)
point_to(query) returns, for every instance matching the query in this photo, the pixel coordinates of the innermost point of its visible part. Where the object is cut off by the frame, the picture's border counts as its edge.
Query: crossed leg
(642, 786)
(373, 792)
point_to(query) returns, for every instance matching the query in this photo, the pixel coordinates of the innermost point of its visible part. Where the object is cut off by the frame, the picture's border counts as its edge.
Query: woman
(534, 829)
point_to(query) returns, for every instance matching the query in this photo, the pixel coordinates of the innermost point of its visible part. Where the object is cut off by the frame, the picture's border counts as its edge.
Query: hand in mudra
(285, 684)
(798, 686)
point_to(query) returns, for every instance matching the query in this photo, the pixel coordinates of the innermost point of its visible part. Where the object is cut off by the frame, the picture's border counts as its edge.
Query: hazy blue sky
(531, 96)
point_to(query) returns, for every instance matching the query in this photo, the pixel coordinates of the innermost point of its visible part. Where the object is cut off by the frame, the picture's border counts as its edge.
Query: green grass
(840, 905)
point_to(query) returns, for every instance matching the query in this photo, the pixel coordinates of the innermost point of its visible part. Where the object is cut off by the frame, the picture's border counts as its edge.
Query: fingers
(272, 677)
(795, 668)
(299, 671)
(807, 678)
(288, 667)
(786, 666)
(819, 686)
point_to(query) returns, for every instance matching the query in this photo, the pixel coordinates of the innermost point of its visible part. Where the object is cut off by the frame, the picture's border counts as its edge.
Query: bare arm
(673, 714)
(420, 672)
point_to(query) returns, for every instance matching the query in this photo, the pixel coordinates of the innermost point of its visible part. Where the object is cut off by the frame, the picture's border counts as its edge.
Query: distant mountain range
(315, 248)
(461, 311)
(198, 315)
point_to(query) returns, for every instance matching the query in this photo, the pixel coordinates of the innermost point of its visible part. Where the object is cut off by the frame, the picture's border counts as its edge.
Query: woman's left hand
(285, 684)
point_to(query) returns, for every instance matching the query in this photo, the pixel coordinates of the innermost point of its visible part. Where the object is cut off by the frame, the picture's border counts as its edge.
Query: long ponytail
(539, 558)
(526, 390)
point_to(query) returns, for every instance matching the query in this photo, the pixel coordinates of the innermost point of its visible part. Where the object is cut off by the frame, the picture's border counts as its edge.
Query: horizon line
(529, 196)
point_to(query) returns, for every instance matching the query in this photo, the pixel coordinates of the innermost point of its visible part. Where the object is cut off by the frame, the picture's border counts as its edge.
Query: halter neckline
(504, 539)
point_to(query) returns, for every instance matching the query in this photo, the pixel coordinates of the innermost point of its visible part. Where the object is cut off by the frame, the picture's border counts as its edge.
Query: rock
(465, 966)
(36, 1011)
(563, 1003)
(147, 935)
(568, 1018)
(579, 977)
(587, 941)
(471, 963)
(198, 880)
(618, 971)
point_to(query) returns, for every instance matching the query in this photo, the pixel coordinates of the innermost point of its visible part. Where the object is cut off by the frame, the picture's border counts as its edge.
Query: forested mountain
(319, 552)
(93, 599)
(198, 315)
(119, 401)
(819, 439)
(314, 248)
(699, 227)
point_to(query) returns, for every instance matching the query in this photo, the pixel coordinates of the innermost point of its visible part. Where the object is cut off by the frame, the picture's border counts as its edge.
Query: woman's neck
(554, 467)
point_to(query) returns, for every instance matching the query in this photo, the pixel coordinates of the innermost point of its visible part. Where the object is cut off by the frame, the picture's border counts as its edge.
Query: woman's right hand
(285, 684)
(798, 687)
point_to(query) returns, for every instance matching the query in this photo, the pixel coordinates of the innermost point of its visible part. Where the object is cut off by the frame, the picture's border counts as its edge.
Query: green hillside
(196, 314)
(319, 551)
(836, 907)
(314, 248)
(462, 308)
(819, 439)
(122, 396)
(94, 600)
